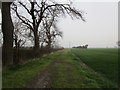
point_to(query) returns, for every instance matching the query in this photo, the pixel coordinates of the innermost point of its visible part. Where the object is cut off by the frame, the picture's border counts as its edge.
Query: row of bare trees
(38, 24)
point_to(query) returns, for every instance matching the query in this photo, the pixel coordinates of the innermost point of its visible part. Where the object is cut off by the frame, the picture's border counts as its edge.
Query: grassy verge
(20, 76)
(67, 73)
(104, 61)
(70, 74)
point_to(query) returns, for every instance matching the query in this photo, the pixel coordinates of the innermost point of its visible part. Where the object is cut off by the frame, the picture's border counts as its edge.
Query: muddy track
(43, 79)
(46, 78)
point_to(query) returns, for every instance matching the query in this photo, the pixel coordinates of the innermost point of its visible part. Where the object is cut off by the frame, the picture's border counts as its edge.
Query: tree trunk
(36, 40)
(7, 29)
(16, 52)
(35, 29)
(36, 44)
(49, 44)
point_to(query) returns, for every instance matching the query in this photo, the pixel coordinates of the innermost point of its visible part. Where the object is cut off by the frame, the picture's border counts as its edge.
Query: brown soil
(61, 63)
(43, 79)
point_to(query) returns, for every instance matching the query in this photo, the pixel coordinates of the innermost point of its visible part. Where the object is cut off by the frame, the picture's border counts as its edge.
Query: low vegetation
(67, 72)
(20, 76)
(103, 61)
(70, 73)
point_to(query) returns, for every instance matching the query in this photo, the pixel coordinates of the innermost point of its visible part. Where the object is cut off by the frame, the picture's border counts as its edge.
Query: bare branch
(21, 17)
(25, 7)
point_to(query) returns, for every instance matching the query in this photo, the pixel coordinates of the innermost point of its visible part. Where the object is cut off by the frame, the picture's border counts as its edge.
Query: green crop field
(103, 61)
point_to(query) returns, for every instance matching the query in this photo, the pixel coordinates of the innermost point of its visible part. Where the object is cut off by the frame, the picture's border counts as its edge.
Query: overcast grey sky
(99, 30)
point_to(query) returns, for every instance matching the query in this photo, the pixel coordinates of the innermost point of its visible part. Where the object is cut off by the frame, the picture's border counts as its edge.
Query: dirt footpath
(44, 79)
(68, 71)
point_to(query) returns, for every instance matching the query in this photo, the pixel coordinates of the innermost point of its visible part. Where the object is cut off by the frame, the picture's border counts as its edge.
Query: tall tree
(7, 30)
(38, 12)
(51, 30)
(33, 24)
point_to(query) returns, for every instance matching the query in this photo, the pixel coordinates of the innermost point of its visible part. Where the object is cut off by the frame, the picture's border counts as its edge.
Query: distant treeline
(82, 46)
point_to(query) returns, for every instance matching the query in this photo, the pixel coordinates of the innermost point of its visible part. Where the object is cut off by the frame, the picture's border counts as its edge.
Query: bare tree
(51, 30)
(19, 35)
(38, 12)
(33, 24)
